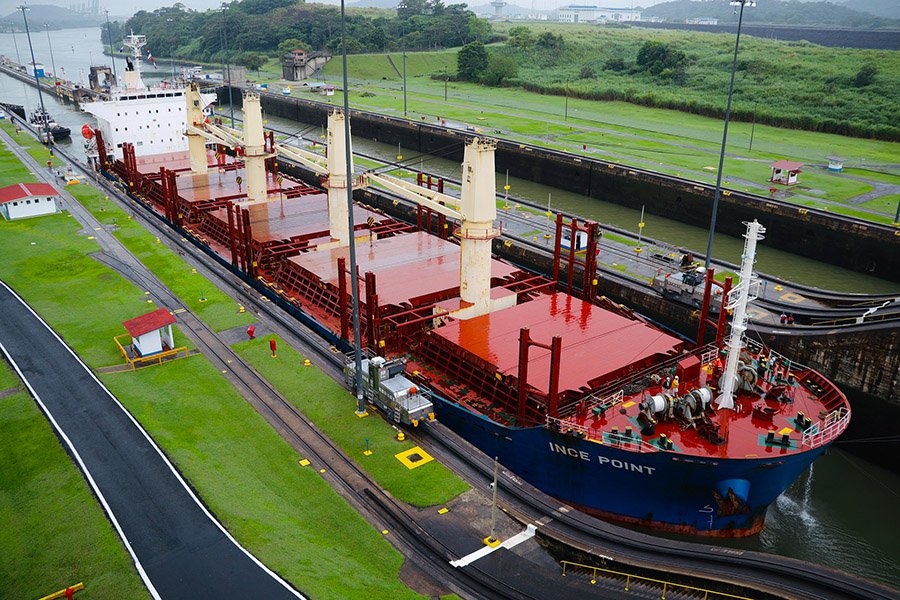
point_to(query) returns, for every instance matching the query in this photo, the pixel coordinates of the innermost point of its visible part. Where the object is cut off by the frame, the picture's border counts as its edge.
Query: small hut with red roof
(785, 172)
(151, 333)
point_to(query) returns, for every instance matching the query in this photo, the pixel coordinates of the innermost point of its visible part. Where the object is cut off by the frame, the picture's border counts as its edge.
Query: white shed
(22, 200)
(151, 333)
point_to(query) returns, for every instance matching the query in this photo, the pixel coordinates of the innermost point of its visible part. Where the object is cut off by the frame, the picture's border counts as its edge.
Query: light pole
(446, 79)
(567, 100)
(718, 193)
(52, 62)
(112, 56)
(15, 43)
(354, 280)
(44, 117)
(403, 49)
(224, 39)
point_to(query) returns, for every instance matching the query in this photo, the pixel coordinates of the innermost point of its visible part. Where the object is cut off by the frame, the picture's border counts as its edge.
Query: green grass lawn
(12, 171)
(46, 262)
(287, 515)
(218, 310)
(54, 532)
(886, 204)
(331, 408)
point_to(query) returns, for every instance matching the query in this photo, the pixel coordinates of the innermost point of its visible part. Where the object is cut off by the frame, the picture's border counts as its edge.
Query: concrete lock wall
(869, 248)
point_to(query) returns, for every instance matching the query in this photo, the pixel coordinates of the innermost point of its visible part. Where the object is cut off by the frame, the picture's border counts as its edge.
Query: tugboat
(42, 120)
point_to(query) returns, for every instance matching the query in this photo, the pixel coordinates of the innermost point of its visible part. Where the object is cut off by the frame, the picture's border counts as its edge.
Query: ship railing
(638, 377)
(709, 355)
(824, 432)
(632, 443)
(757, 348)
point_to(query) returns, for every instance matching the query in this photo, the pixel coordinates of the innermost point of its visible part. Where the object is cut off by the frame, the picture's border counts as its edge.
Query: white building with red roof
(151, 333)
(785, 171)
(22, 200)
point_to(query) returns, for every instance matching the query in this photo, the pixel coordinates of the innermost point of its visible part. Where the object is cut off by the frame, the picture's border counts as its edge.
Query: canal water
(841, 513)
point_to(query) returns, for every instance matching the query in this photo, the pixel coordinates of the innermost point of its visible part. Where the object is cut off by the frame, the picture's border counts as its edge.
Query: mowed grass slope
(331, 407)
(377, 67)
(54, 532)
(285, 514)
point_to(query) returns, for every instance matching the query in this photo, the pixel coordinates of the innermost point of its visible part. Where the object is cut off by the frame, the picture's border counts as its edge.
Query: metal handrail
(665, 584)
(819, 433)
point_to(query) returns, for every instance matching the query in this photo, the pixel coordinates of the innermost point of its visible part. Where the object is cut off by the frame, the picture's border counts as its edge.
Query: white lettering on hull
(613, 463)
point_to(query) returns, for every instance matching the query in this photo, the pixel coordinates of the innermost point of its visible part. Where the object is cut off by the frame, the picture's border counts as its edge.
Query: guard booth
(785, 172)
(152, 340)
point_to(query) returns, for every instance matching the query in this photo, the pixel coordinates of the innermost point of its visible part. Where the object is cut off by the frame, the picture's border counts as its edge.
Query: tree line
(249, 31)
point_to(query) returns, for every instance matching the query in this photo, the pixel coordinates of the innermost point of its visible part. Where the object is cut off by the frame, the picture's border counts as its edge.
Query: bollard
(251, 331)
(272, 347)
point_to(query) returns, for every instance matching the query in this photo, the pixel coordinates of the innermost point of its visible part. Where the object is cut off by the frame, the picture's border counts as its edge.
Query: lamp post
(52, 62)
(718, 193)
(225, 64)
(354, 280)
(44, 118)
(403, 50)
(112, 56)
(15, 43)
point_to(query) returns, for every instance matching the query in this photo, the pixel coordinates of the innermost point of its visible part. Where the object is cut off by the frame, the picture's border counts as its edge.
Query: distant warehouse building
(597, 14)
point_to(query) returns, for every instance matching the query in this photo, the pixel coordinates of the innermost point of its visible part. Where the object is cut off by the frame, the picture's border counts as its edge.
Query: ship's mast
(741, 295)
(132, 78)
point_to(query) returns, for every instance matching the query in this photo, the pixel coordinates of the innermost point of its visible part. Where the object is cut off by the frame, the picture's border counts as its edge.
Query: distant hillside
(56, 16)
(889, 9)
(375, 3)
(792, 12)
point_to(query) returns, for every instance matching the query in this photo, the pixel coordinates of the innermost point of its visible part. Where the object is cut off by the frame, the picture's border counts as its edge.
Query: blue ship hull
(664, 490)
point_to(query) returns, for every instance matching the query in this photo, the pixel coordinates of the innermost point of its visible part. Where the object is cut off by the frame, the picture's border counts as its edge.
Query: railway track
(782, 577)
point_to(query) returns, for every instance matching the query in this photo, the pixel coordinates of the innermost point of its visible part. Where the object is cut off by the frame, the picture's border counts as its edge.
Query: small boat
(41, 119)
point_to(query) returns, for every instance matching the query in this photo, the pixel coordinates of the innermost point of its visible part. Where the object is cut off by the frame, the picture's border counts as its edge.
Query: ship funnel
(195, 118)
(337, 179)
(478, 210)
(740, 296)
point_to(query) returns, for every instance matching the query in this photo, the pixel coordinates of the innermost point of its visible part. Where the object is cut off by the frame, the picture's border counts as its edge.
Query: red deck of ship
(744, 433)
(597, 344)
(410, 268)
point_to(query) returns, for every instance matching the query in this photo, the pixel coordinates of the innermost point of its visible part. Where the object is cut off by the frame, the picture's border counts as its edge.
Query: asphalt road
(180, 550)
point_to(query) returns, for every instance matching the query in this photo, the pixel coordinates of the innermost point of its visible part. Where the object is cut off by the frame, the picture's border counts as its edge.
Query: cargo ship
(579, 396)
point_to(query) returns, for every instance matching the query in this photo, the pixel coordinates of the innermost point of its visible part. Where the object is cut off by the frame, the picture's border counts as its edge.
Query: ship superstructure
(577, 395)
(151, 118)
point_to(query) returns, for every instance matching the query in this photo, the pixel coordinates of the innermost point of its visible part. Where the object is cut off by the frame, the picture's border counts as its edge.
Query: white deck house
(22, 200)
(151, 333)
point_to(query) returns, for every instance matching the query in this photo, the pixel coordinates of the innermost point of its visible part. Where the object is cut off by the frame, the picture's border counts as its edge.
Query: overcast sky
(128, 7)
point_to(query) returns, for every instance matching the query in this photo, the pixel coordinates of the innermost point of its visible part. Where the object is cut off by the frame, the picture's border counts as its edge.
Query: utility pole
(15, 42)
(44, 116)
(112, 56)
(354, 279)
(226, 65)
(752, 129)
(446, 79)
(567, 100)
(52, 62)
(492, 539)
(403, 46)
(718, 193)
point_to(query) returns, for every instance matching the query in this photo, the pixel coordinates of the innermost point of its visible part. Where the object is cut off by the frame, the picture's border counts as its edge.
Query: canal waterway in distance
(839, 514)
